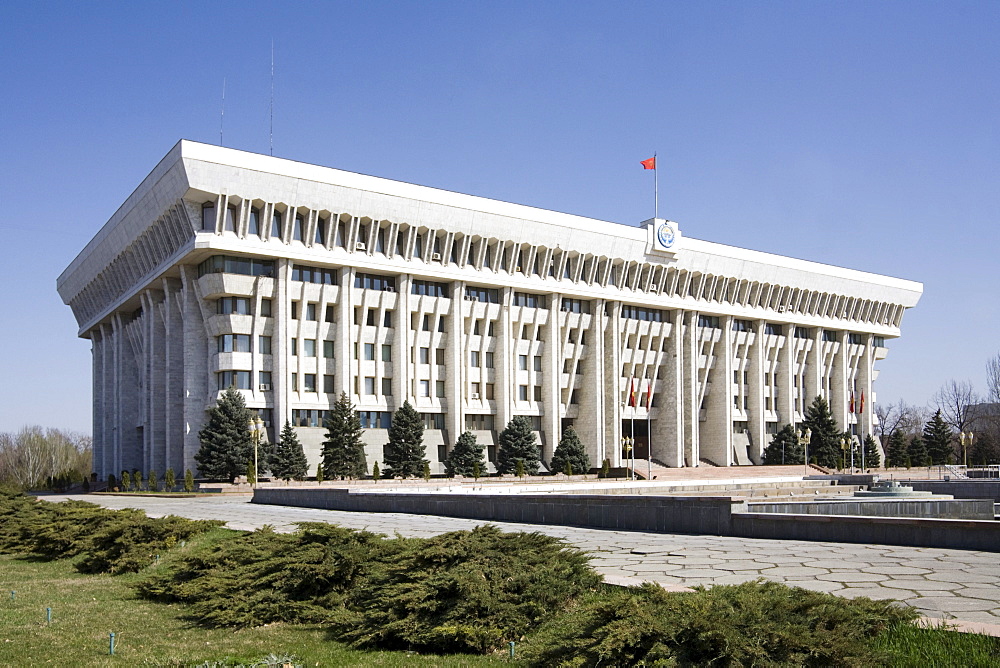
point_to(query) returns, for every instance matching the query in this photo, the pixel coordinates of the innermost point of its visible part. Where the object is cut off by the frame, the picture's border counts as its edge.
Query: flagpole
(656, 188)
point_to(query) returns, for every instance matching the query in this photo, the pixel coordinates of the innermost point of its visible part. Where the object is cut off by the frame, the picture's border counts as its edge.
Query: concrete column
(613, 395)
(506, 345)
(717, 431)
(839, 385)
(343, 343)
(667, 423)
(402, 368)
(284, 329)
(552, 355)
(456, 363)
(196, 360)
(814, 367)
(590, 423)
(785, 403)
(692, 404)
(173, 385)
(866, 420)
(755, 388)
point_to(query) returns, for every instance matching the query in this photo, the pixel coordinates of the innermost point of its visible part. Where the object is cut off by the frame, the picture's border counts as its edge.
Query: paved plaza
(941, 583)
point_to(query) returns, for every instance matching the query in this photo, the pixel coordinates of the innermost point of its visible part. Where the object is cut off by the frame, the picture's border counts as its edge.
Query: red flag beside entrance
(852, 403)
(861, 407)
(631, 392)
(649, 394)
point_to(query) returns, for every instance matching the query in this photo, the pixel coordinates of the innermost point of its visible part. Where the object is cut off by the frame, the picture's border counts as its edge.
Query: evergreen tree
(126, 482)
(112, 483)
(319, 472)
(343, 451)
(404, 453)
(226, 442)
(895, 453)
(985, 450)
(477, 470)
(376, 474)
(169, 480)
(427, 470)
(937, 436)
(289, 459)
(517, 444)
(570, 453)
(917, 451)
(605, 469)
(824, 444)
(153, 484)
(464, 456)
(784, 448)
(188, 481)
(873, 459)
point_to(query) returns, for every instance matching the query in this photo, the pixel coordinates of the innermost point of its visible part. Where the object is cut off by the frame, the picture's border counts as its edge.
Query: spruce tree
(126, 481)
(873, 459)
(188, 481)
(289, 461)
(784, 448)
(153, 484)
(376, 474)
(517, 444)
(463, 457)
(824, 444)
(226, 442)
(404, 453)
(319, 472)
(917, 451)
(169, 480)
(343, 450)
(895, 454)
(570, 453)
(937, 437)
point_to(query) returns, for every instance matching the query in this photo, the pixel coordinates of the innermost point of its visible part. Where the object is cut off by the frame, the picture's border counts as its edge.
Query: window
(489, 391)
(575, 305)
(528, 299)
(387, 319)
(476, 389)
(829, 336)
(309, 347)
(329, 313)
(309, 382)
(320, 232)
(302, 417)
(474, 358)
(630, 312)
(295, 347)
(265, 308)
(375, 282)
(742, 326)
(439, 389)
(522, 362)
(522, 392)
(428, 288)
(369, 385)
(253, 224)
(710, 321)
(386, 352)
(538, 392)
(233, 305)
(295, 382)
(490, 329)
(264, 345)
(314, 275)
(238, 379)
(475, 328)
(425, 357)
(297, 227)
(479, 422)
(234, 343)
(477, 294)
(328, 384)
(375, 419)
(370, 352)
(536, 422)
(425, 388)
(264, 378)
(311, 311)
(774, 330)
(489, 360)
(276, 225)
(855, 339)
(226, 264)
(439, 356)
(538, 363)
(328, 350)
(295, 310)
(441, 327)
(878, 341)
(387, 387)
(426, 325)
(574, 398)
(433, 420)
(371, 317)
(208, 217)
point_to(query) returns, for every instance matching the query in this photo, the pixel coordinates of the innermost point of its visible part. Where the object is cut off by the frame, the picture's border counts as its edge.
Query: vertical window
(295, 347)
(538, 363)
(538, 392)
(264, 345)
(320, 232)
(439, 388)
(276, 226)
(295, 310)
(441, 327)
(264, 378)
(522, 362)
(475, 390)
(297, 227)
(387, 387)
(425, 356)
(439, 356)
(329, 313)
(370, 353)
(265, 308)
(311, 311)
(208, 217)
(489, 390)
(474, 358)
(295, 382)
(309, 382)
(387, 319)
(489, 360)
(328, 350)
(475, 328)
(425, 388)
(229, 225)
(386, 353)
(522, 392)
(490, 330)
(328, 384)
(369, 385)
(309, 347)
(427, 323)
(253, 224)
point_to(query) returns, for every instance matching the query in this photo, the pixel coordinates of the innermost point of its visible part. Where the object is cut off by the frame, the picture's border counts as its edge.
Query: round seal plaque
(665, 235)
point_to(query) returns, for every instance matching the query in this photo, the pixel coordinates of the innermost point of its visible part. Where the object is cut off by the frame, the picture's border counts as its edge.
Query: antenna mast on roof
(270, 137)
(222, 116)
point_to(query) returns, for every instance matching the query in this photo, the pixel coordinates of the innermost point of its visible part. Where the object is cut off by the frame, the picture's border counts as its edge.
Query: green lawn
(86, 608)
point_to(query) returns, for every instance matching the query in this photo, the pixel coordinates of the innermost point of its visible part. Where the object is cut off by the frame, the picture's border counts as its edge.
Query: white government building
(296, 282)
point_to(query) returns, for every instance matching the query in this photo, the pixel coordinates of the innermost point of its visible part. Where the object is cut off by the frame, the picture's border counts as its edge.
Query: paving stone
(991, 594)
(920, 585)
(816, 585)
(744, 566)
(785, 572)
(850, 577)
(895, 570)
(953, 605)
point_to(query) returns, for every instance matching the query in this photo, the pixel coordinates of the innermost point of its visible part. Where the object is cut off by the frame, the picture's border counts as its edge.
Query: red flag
(852, 402)
(861, 408)
(649, 394)
(631, 392)
(648, 164)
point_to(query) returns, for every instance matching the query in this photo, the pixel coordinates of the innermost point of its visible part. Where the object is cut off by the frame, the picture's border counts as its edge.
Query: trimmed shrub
(752, 624)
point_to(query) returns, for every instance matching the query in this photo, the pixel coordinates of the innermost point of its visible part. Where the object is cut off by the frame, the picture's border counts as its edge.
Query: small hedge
(757, 623)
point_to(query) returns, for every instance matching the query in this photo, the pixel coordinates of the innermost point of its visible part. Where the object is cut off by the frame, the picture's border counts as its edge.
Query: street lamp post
(627, 443)
(843, 454)
(256, 425)
(804, 438)
(966, 439)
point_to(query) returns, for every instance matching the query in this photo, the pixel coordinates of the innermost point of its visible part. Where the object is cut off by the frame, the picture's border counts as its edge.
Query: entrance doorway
(639, 431)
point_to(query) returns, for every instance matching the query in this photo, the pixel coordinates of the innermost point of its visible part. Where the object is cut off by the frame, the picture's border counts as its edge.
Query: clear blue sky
(863, 134)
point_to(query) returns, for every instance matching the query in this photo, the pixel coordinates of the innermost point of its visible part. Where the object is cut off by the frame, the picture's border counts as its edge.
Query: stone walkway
(940, 583)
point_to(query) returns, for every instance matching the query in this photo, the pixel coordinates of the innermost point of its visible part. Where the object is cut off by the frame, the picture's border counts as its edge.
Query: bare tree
(955, 400)
(890, 418)
(993, 378)
(30, 456)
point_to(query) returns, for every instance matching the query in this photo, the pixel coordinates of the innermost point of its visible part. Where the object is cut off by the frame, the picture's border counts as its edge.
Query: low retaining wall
(960, 489)
(718, 516)
(958, 509)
